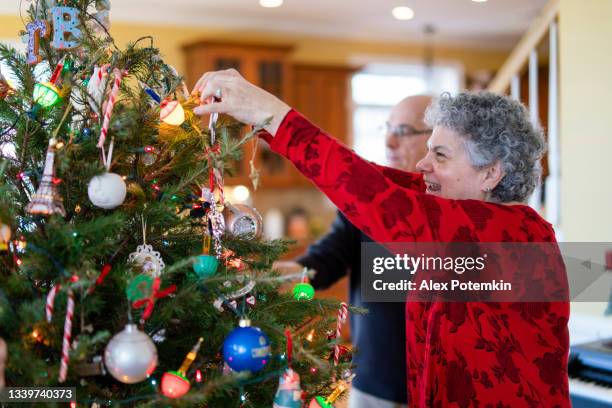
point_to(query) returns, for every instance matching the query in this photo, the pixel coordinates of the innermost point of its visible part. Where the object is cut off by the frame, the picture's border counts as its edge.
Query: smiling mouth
(432, 187)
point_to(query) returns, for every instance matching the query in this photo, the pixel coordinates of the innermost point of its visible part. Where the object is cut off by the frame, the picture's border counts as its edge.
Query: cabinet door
(323, 95)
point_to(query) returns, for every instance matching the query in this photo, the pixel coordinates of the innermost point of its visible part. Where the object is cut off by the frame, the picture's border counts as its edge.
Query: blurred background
(345, 63)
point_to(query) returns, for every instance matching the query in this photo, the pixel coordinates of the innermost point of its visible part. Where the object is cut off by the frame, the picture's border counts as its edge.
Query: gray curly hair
(496, 128)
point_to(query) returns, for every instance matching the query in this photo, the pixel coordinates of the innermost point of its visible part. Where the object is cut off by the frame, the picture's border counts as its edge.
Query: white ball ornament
(107, 190)
(130, 356)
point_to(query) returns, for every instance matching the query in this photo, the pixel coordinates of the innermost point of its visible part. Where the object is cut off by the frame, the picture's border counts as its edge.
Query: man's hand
(287, 267)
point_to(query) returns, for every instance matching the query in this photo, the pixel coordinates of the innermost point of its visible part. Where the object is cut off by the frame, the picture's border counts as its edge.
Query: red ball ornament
(174, 384)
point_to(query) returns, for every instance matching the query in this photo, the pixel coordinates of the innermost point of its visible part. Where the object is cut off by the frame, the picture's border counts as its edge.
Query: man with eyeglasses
(379, 336)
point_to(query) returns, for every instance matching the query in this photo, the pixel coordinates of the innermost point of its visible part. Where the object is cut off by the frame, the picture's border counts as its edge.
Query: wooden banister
(528, 42)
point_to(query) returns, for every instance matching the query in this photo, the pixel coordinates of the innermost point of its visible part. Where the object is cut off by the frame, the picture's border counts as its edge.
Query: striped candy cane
(109, 109)
(342, 315)
(51, 301)
(67, 337)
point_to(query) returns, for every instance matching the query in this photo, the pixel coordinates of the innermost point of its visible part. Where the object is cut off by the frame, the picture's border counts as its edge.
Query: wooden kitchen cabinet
(323, 94)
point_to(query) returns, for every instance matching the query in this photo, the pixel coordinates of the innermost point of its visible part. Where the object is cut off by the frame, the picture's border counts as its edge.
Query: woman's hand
(240, 99)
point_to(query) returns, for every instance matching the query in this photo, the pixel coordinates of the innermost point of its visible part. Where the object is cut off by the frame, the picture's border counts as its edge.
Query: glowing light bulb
(172, 113)
(402, 13)
(46, 94)
(270, 3)
(5, 236)
(241, 194)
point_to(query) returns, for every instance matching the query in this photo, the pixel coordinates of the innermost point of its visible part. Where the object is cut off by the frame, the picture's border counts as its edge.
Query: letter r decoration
(36, 29)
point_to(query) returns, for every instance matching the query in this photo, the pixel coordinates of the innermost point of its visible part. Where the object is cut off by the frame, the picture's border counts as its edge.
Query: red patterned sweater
(469, 354)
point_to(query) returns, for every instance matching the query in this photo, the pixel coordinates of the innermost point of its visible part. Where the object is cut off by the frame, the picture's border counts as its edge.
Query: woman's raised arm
(382, 205)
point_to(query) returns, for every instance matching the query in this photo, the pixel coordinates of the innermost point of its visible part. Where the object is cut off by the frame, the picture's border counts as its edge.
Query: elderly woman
(481, 164)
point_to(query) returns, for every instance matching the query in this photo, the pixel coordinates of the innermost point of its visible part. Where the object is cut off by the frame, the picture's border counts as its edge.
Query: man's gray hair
(496, 128)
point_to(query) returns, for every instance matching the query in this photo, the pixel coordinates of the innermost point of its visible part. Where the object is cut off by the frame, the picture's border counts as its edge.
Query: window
(7, 148)
(378, 87)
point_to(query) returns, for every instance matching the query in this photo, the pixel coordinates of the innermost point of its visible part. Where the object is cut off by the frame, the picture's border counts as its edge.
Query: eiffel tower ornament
(47, 200)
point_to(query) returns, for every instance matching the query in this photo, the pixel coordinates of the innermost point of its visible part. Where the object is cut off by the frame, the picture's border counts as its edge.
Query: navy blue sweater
(378, 336)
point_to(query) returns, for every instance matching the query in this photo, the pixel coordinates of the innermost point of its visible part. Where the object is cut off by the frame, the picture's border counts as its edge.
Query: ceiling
(493, 24)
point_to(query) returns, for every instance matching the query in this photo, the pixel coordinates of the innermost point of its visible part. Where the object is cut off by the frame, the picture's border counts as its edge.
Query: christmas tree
(124, 272)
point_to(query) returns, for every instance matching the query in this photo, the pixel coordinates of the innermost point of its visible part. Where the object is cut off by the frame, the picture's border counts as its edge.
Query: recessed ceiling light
(402, 13)
(270, 3)
(479, 1)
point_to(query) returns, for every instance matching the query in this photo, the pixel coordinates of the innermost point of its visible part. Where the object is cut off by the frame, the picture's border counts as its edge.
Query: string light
(175, 383)
(198, 376)
(235, 263)
(172, 113)
(21, 243)
(310, 336)
(46, 94)
(36, 335)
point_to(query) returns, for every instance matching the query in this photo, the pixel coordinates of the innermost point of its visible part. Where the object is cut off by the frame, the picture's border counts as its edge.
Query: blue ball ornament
(205, 266)
(246, 348)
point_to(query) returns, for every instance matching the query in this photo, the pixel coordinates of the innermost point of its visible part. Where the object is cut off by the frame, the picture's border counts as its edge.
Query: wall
(307, 49)
(586, 122)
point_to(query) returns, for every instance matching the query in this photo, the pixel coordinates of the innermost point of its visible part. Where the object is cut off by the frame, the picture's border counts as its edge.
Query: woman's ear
(493, 175)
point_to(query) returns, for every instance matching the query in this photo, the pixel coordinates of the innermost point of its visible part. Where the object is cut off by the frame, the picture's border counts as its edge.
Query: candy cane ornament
(109, 109)
(342, 315)
(67, 337)
(51, 301)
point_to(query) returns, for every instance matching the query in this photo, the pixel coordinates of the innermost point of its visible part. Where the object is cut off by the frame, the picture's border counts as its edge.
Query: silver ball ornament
(107, 190)
(243, 220)
(130, 356)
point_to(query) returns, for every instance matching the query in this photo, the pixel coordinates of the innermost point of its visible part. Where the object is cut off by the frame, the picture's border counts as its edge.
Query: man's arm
(331, 255)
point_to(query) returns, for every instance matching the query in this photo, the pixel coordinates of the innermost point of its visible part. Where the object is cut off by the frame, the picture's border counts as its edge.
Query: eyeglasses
(404, 130)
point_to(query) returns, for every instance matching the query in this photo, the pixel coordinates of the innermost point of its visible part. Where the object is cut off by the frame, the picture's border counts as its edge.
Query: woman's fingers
(199, 84)
(212, 81)
(239, 98)
(217, 107)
